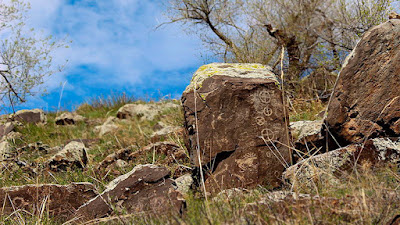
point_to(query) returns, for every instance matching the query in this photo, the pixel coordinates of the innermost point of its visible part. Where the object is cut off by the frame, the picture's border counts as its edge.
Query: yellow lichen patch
(242, 70)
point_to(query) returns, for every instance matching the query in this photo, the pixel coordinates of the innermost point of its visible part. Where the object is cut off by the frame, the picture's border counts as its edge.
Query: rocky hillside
(232, 151)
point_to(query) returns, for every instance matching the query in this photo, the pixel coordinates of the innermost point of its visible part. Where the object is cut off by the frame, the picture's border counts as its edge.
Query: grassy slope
(366, 187)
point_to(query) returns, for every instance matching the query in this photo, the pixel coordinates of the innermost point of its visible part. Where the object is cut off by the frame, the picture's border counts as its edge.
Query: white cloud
(115, 36)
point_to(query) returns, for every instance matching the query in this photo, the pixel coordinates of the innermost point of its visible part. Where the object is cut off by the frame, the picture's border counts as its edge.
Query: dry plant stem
(284, 106)
(198, 147)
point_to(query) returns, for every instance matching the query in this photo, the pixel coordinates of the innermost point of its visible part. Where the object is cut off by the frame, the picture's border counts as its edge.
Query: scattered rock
(6, 128)
(123, 154)
(165, 130)
(309, 138)
(146, 111)
(60, 201)
(241, 125)
(145, 189)
(172, 151)
(108, 127)
(69, 118)
(366, 100)
(5, 150)
(184, 183)
(30, 116)
(38, 146)
(328, 167)
(87, 142)
(73, 154)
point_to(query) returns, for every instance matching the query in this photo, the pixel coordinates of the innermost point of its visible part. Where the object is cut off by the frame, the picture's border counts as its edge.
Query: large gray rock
(234, 116)
(366, 100)
(328, 167)
(30, 116)
(145, 189)
(73, 154)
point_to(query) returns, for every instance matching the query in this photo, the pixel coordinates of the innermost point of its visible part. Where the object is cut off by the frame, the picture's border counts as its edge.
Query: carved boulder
(235, 126)
(60, 201)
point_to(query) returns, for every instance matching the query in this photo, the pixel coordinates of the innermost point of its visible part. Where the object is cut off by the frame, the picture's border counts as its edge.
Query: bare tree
(316, 34)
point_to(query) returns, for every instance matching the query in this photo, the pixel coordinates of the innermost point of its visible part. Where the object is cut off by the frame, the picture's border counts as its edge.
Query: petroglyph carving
(265, 96)
(260, 121)
(247, 162)
(268, 134)
(268, 111)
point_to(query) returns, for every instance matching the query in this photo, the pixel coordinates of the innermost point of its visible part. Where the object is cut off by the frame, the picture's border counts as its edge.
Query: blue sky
(115, 48)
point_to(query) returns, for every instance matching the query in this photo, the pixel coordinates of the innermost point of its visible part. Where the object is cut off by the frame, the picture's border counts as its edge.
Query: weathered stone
(87, 142)
(122, 154)
(6, 128)
(60, 201)
(5, 150)
(309, 138)
(366, 100)
(145, 189)
(108, 127)
(73, 154)
(184, 183)
(394, 15)
(328, 167)
(69, 118)
(143, 111)
(164, 131)
(241, 125)
(30, 116)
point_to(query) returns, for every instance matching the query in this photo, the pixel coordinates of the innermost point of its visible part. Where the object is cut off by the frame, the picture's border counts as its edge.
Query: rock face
(366, 100)
(73, 154)
(69, 118)
(60, 201)
(240, 125)
(146, 188)
(30, 116)
(143, 111)
(328, 166)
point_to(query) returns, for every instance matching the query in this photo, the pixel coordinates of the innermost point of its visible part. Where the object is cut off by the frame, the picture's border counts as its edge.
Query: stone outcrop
(60, 201)
(366, 100)
(328, 167)
(145, 189)
(241, 125)
(144, 111)
(69, 118)
(72, 155)
(30, 116)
